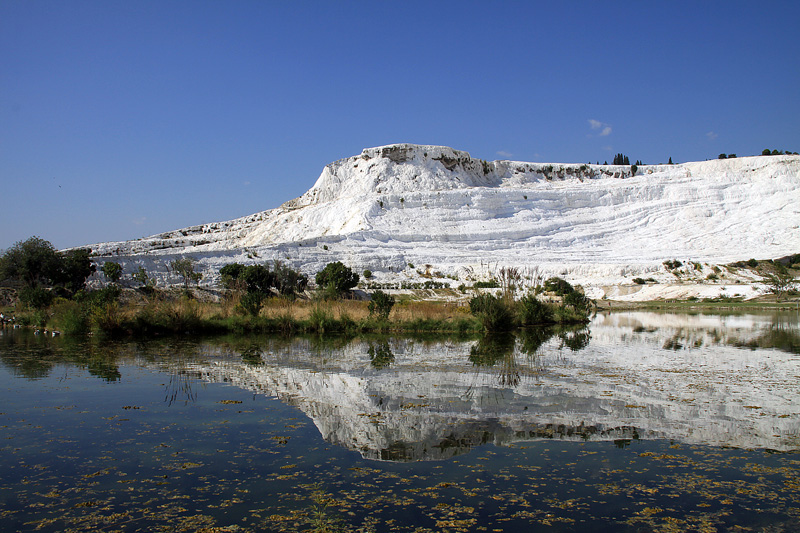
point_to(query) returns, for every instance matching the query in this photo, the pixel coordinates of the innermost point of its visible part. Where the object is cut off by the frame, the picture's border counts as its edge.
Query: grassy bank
(180, 312)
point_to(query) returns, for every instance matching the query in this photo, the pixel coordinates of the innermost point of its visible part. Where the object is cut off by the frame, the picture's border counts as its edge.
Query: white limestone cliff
(598, 225)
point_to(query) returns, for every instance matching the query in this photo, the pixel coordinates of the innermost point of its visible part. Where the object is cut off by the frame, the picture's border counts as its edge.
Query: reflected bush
(380, 355)
(252, 355)
(576, 339)
(532, 339)
(492, 348)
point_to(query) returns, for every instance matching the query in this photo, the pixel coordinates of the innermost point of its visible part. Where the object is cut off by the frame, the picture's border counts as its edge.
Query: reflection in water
(252, 355)
(179, 387)
(404, 400)
(575, 339)
(380, 354)
(34, 356)
(717, 380)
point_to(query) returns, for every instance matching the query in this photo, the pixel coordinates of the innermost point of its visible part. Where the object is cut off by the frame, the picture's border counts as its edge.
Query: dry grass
(409, 310)
(404, 310)
(302, 309)
(175, 311)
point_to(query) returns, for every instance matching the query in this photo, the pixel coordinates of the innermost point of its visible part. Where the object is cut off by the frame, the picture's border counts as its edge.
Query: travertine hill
(458, 219)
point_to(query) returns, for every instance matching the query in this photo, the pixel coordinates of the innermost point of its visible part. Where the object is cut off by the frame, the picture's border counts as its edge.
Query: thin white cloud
(711, 135)
(503, 153)
(605, 129)
(246, 183)
(139, 221)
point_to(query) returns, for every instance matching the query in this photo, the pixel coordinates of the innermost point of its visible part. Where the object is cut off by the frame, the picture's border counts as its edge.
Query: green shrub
(112, 271)
(141, 276)
(169, 317)
(336, 279)
(563, 314)
(493, 312)
(229, 275)
(35, 297)
(106, 317)
(321, 319)
(288, 281)
(262, 279)
(184, 267)
(70, 317)
(99, 297)
(489, 284)
(577, 301)
(752, 263)
(559, 286)
(252, 302)
(367, 274)
(381, 305)
(532, 311)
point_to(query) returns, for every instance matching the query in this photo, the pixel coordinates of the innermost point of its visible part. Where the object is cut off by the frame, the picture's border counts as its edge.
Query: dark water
(641, 422)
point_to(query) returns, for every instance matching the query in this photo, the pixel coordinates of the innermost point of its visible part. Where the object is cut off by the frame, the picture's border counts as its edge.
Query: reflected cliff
(697, 379)
(722, 381)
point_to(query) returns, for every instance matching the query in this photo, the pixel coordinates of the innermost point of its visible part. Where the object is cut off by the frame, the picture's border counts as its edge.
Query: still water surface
(640, 422)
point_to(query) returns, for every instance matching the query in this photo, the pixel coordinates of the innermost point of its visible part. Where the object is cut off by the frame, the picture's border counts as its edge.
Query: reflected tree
(575, 339)
(380, 355)
(251, 355)
(532, 339)
(497, 349)
(104, 369)
(34, 356)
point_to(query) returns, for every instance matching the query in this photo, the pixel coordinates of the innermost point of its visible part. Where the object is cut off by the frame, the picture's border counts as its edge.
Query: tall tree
(76, 265)
(32, 262)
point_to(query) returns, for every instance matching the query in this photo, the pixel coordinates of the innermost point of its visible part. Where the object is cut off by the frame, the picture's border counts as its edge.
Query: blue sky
(122, 119)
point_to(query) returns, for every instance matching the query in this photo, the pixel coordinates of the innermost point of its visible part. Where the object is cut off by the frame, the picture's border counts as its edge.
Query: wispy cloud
(605, 129)
(503, 153)
(139, 221)
(246, 183)
(711, 135)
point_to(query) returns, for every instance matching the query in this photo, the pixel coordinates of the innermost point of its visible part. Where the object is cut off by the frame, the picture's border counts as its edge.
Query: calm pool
(640, 422)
